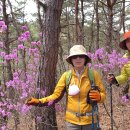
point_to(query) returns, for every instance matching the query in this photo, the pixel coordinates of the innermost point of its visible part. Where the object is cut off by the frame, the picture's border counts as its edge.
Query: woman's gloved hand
(111, 79)
(94, 95)
(32, 101)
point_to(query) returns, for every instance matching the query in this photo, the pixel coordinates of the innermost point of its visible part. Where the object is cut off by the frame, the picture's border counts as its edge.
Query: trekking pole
(95, 108)
(111, 105)
(92, 117)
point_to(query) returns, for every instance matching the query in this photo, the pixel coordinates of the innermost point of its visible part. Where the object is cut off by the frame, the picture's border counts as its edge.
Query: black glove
(111, 79)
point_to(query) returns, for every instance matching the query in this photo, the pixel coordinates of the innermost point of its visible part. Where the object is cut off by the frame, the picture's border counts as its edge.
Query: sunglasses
(78, 56)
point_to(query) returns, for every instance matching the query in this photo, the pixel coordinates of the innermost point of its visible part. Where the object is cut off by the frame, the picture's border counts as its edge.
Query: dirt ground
(121, 115)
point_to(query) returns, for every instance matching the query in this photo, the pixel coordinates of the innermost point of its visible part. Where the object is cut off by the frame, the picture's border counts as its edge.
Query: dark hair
(125, 47)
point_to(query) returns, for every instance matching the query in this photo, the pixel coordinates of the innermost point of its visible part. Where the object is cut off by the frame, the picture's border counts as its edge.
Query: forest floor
(121, 115)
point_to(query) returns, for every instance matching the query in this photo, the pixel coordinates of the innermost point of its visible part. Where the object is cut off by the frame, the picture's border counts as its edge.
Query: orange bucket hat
(123, 43)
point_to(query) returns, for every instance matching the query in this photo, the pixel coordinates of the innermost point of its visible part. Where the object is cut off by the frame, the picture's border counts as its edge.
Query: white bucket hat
(77, 50)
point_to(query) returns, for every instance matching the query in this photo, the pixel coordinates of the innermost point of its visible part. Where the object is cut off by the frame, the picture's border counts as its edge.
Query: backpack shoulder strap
(91, 76)
(68, 78)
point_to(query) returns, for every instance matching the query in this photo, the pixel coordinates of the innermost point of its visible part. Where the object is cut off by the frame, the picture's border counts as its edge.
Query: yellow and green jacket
(125, 72)
(77, 103)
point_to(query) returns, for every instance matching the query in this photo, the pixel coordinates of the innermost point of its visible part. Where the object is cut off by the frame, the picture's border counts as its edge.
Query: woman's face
(78, 61)
(128, 44)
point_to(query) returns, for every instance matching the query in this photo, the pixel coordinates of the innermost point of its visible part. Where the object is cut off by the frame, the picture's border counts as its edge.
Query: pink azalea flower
(3, 127)
(124, 99)
(24, 27)
(2, 54)
(21, 46)
(50, 103)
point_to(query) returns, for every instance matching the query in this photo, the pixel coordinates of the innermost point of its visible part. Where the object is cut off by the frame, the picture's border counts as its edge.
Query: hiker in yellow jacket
(78, 111)
(124, 77)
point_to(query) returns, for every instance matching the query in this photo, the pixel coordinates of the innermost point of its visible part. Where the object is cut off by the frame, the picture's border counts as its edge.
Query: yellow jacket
(125, 71)
(77, 103)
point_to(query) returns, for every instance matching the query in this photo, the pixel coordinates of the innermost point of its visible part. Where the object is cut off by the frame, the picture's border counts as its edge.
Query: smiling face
(128, 44)
(78, 61)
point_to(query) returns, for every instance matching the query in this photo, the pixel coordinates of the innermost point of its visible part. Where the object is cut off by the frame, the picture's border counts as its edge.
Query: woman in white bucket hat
(77, 50)
(78, 111)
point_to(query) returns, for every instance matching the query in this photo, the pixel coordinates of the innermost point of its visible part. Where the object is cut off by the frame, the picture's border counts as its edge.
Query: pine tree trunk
(53, 10)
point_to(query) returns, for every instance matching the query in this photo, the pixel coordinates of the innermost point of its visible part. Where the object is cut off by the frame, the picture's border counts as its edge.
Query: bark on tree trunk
(76, 19)
(48, 71)
(110, 29)
(110, 5)
(97, 25)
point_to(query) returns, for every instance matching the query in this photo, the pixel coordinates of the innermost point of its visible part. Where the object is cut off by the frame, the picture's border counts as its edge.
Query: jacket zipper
(79, 100)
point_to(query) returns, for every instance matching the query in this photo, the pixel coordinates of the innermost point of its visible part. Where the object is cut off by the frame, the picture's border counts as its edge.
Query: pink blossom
(9, 114)
(15, 74)
(29, 77)
(30, 66)
(2, 94)
(58, 107)
(50, 103)
(11, 107)
(24, 95)
(32, 50)
(33, 43)
(10, 83)
(36, 60)
(2, 23)
(3, 113)
(2, 54)
(21, 46)
(13, 56)
(24, 37)
(124, 99)
(3, 127)
(24, 27)
(38, 43)
(36, 55)
(3, 27)
(7, 57)
(24, 109)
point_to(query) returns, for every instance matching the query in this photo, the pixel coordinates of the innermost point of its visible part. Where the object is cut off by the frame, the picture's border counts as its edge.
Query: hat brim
(68, 59)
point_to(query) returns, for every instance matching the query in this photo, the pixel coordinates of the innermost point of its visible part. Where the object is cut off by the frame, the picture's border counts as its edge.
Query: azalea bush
(107, 62)
(25, 58)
